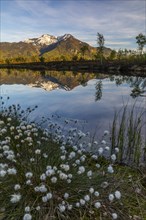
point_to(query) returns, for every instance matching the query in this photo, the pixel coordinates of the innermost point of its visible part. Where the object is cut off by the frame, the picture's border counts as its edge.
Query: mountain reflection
(68, 80)
(48, 80)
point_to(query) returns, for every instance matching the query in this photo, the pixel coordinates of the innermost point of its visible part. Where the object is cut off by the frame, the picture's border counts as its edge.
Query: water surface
(89, 98)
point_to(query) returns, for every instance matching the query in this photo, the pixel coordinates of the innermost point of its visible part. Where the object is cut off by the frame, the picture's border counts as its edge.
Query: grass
(46, 174)
(133, 190)
(127, 133)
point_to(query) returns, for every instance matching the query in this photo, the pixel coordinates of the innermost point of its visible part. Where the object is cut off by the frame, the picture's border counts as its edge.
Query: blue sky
(118, 20)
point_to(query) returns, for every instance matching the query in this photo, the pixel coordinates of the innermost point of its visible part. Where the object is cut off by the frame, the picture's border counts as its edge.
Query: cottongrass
(45, 174)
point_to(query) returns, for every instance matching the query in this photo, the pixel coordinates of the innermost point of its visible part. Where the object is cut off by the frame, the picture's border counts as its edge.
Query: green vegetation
(141, 41)
(100, 42)
(48, 173)
(112, 55)
(84, 49)
(42, 59)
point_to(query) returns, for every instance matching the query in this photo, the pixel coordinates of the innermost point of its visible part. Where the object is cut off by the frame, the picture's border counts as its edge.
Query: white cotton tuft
(27, 216)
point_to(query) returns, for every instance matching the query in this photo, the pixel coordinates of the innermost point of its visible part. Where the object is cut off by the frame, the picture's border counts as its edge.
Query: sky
(120, 21)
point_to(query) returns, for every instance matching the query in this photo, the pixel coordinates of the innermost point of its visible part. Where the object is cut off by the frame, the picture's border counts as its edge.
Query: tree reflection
(42, 73)
(98, 93)
(83, 80)
(118, 81)
(136, 91)
(137, 84)
(138, 87)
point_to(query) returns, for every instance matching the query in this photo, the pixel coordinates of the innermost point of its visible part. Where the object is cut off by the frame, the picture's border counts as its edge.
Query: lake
(91, 99)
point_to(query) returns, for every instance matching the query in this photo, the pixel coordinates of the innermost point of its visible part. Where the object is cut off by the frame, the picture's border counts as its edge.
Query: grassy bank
(48, 174)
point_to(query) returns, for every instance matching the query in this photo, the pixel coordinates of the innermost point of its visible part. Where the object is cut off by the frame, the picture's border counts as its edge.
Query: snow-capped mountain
(57, 44)
(49, 46)
(47, 39)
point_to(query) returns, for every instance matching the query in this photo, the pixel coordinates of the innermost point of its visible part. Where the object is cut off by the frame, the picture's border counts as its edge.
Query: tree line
(140, 40)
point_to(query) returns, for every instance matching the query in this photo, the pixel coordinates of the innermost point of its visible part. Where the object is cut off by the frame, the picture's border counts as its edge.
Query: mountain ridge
(50, 47)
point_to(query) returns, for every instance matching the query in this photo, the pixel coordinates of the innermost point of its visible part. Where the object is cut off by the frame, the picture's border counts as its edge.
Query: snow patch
(64, 37)
(47, 39)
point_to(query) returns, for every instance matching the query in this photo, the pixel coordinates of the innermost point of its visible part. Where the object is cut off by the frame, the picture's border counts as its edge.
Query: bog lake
(87, 98)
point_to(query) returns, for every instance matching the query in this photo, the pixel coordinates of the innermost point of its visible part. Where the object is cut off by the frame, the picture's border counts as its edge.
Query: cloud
(82, 18)
(117, 43)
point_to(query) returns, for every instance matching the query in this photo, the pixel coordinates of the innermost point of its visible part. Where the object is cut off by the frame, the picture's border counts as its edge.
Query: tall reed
(127, 134)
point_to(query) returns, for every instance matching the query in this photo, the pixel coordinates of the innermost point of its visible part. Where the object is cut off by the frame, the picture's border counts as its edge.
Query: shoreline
(122, 68)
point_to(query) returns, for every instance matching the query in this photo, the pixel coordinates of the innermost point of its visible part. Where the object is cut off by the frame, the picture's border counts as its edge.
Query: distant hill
(49, 47)
(9, 50)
